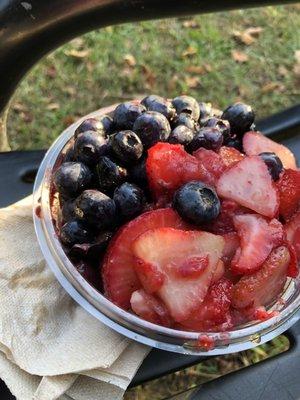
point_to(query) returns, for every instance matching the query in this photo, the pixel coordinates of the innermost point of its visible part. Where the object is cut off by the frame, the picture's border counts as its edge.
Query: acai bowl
(173, 223)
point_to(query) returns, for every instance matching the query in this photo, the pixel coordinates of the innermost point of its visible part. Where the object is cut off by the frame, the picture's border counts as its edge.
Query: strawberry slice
(257, 239)
(219, 272)
(170, 250)
(292, 229)
(249, 183)
(169, 166)
(119, 277)
(211, 161)
(150, 308)
(230, 156)
(262, 288)
(214, 309)
(289, 193)
(232, 243)
(255, 143)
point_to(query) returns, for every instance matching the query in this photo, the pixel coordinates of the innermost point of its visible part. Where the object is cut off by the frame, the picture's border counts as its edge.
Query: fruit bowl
(239, 338)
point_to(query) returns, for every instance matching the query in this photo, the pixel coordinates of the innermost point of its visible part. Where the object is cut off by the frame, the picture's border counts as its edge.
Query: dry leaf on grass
(52, 106)
(272, 87)
(248, 36)
(198, 69)
(77, 53)
(68, 120)
(296, 68)
(77, 43)
(192, 81)
(190, 51)
(130, 60)
(172, 84)
(149, 75)
(283, 71)
(19, 107)
(51, 72)
(190, 23)
(239, 56)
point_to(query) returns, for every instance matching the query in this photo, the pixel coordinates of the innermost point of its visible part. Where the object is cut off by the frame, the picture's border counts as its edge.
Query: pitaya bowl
(282, 314)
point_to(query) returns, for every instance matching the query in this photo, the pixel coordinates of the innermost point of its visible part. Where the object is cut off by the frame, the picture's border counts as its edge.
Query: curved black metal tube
(30, 29)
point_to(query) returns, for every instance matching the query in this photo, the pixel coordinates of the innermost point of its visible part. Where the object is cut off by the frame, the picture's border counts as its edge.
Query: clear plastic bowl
(240, 338)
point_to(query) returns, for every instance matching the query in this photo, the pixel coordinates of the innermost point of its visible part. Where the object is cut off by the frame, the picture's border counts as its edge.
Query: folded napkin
(51, 348)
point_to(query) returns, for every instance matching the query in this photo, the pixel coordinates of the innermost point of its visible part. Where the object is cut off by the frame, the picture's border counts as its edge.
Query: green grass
(63, 87)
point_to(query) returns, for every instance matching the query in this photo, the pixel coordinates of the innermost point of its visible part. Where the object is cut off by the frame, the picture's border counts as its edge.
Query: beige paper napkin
(50, 348)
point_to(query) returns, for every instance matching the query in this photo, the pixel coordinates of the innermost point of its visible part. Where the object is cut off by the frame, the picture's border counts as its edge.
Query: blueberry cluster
(103, 182)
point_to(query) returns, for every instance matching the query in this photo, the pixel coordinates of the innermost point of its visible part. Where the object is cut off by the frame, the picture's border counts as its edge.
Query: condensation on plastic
(127, 324)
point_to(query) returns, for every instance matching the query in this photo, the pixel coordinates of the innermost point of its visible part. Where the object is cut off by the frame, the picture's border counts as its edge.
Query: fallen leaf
(51, 72)
(90, 66)
(243, 91)
(296, 68)
(190, 23)
(130, 60)
(273, 86)
(248, 36)
(19, 107)
(77, 53)
(283, 71)
(198, 69)
(26, 116)
(190, 51)
(192, 81)
(126, 71)
(172, 84)
(149, 75)
(70, 90)
(68, 120)
(52, 106)
(77, 43)
(239, 56)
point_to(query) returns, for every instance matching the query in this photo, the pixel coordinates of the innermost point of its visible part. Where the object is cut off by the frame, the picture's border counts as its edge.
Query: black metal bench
(276, 378)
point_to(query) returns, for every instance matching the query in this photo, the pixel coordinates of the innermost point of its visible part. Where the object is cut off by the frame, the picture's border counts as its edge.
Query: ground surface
(251, 55)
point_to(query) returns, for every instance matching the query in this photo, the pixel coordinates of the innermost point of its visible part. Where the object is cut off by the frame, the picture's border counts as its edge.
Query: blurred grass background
(251, 55)
(209, 56)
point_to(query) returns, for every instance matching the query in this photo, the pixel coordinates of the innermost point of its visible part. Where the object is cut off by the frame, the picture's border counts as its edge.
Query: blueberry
(126, 146)
(126, 113)
(234, 142)
(184, 119)
(159, 104)
(188, 105)
(68, 210)
(70, 155)
(152, 127)
(240, 116)
(138, 174)
(109, 174)
(129, 199)
(91, 251)
(74, 232)
(89, 147)
(181, 135)
(205, 111)
(96, 209)
(71, 178)
(196, 202)
(102, 125)
(209, 138)
(273, 163)
(89, 273)
(221, 124)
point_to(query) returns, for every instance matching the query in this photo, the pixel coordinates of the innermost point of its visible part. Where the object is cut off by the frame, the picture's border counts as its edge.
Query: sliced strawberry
(293, 269)
(211, 161)
(119, 277)
(249, 183)
(224, 222)
(255, 143)
(289, 193)
(292, 229)
(232, 243)
(169, 249)
(230, 155)
(169, 166)
(150, 276)
(191, 268)
(257, 239)
(262, 287)
(214, 308)
(150, 308)
(219, 272)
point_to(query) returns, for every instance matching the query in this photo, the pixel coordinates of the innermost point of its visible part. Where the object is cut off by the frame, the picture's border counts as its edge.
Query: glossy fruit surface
(129, 199)
(71, 178)
(126, 146)
(125, 114)
(188, 105)
(152, 127)
(240, 116)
